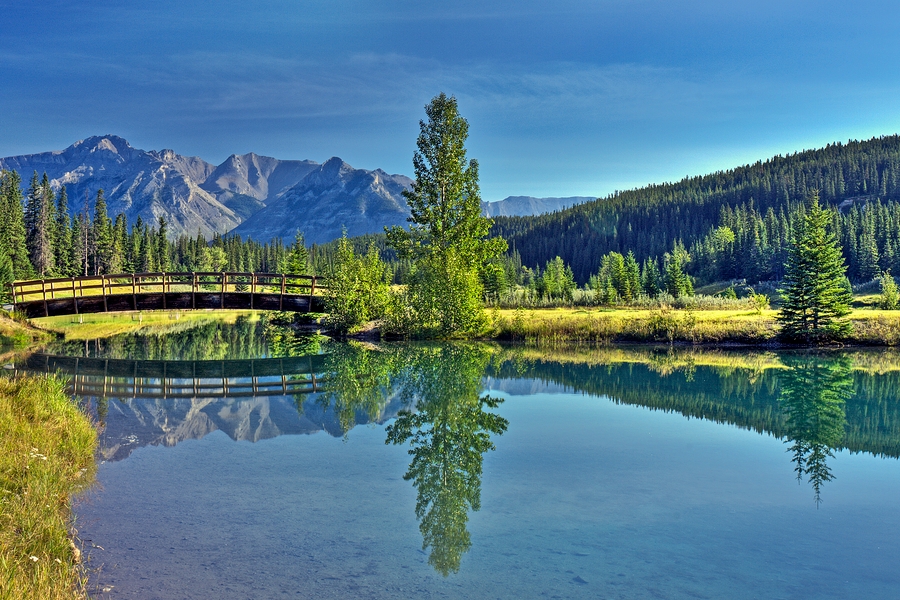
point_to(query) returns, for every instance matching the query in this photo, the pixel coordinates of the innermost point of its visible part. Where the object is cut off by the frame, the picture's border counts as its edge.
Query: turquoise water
(675, 482)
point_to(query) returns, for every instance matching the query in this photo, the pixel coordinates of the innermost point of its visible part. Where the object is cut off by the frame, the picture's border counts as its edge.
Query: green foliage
(102, 237)
(677, 282)
(357, 288)
(556, 281)
(890, 298)
(447, 242)
(296, 262)
(815, 294)
(759, 302)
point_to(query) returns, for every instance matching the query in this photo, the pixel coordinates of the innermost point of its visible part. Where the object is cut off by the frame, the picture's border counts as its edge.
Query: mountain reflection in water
(434, 394)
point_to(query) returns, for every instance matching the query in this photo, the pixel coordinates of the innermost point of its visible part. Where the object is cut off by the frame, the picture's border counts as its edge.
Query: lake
(239, 461)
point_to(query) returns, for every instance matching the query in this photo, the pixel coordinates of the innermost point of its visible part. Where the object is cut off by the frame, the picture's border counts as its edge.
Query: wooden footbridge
(172, 379)
(167, 291)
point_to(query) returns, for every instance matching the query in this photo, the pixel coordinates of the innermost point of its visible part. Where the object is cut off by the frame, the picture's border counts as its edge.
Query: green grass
(46, 455)
(103, 325)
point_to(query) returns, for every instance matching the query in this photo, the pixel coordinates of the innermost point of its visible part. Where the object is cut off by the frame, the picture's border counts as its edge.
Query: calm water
(481, 471)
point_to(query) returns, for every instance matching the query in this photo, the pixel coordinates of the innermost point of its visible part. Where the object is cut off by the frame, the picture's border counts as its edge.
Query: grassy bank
(608, 325)
(16, 334)
(46, 455)
(605, 325)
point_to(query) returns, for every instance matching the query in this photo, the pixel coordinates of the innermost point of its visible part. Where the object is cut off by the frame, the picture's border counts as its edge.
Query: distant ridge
(250, 195)
(520, 206)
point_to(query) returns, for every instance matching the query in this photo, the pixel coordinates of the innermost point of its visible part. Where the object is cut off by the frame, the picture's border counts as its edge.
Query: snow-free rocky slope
(332, 197)
(251, 195)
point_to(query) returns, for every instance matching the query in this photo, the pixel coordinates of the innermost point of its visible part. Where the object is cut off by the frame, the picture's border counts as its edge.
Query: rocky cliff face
(137, 183)
(331, 197)
(247, 183)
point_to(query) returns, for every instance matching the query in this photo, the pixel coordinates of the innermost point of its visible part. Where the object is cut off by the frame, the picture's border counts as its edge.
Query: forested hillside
(734, 224)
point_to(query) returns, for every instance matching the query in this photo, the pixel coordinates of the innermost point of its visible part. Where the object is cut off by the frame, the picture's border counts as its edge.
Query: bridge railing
(161, 283)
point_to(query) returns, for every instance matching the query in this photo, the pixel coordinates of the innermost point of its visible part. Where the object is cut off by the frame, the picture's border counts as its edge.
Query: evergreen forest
(729, 225)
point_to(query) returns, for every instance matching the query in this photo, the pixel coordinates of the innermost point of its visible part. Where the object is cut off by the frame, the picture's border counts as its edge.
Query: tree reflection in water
(814, 391)
(449, 430)
(446, 422)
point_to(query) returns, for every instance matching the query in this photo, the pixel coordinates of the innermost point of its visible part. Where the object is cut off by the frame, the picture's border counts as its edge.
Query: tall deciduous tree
(448, 237)
(815, 295)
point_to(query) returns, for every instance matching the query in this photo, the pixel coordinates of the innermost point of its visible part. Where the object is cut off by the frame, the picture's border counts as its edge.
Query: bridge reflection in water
(161, 379)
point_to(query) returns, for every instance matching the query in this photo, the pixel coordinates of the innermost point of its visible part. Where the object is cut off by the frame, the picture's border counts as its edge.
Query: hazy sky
(579, 99)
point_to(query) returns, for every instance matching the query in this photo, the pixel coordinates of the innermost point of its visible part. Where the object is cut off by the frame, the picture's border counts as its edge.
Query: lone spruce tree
(815, 294)
(447, 241)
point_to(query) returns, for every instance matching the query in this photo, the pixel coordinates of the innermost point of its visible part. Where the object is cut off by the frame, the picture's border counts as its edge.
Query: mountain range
(250, 195)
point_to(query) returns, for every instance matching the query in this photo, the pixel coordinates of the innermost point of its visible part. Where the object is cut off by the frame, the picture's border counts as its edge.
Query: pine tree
(12, 224)
(40, 224)
(102, 237)
(63, 235)
(815, 295)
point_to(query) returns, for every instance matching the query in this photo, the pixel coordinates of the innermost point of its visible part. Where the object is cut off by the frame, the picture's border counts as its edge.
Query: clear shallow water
(586, 494)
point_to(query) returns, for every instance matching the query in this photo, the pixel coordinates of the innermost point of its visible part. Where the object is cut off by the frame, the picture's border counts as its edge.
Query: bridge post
(74, 297)
(193, 290)
(103, 291)
(222, 296)
(44, 294)
(312, 290)
(163, 288)
(281, 297)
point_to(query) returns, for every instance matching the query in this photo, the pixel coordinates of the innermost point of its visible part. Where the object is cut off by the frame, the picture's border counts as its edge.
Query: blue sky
(581, 98)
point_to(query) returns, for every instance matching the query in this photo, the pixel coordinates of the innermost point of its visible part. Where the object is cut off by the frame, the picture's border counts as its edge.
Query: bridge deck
(168, 291)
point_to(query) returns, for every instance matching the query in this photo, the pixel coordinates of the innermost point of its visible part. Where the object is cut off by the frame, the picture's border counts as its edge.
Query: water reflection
(449, 431)
(813, 394)
(432, 398)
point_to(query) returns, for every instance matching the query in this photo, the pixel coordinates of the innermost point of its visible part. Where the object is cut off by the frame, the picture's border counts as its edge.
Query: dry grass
(635, 325)
(46, 455)
(871, 327)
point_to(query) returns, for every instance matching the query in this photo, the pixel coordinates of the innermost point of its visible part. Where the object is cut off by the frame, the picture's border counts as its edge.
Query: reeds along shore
(668, 325)
(47, 450)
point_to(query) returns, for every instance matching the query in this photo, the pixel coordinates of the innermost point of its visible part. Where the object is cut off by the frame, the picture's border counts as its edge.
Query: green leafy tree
(6, 277)
(890, 298)
(815, 294)
(447, 240)
(357, 288)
